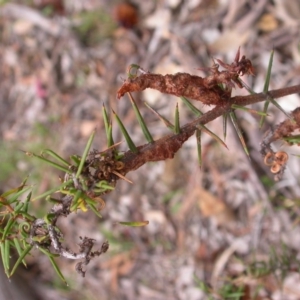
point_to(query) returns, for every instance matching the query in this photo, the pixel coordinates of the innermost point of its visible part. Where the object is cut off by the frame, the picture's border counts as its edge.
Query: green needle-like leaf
(266, 88)
(248, 88)
(110, 140)
(199, 148)
(268, 77)
(94, 209)
(27, 216)
(54, 190)
(205, 129)
(57, 270)
(56, 156)
(127, 137)
(85, 153)
(7, 255)
(225, 116)
(15, 197)
(4, 248)
(238, 131)
(76, 159)
(135, 224)
(164, 120)
(48, 253)
(19, 249)
(26, 202)
(105, 119)
(7, 228)
(141, 120)
(18, 207)
(275, 103)
(108, 127)
(249, 110)
(193, 108)
(50, 162)
(177, 121)
(15, 190)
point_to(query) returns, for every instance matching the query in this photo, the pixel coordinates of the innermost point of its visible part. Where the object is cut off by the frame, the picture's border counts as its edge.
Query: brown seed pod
(119, 165)
(269, 159)
(275, 168)
(281, 157)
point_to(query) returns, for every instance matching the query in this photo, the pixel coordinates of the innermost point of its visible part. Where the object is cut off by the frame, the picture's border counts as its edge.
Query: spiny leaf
(85, 153)
(48, 253)
(249, 110)
(164, 120)
(15, 190)
(19, 249)
(27, 216)
(18, 207)
(141, 121)
(268, 77)
(76, 159)
(225, 116)
(199, 148)
(266, 88)
(15, 197)
(108, 127)
(238, 131)
(135, 224)
(57, 270)
(127, 137)
(110, 140)
(5, 252)
(26, 202)
(56, 156)
(7, 227)
(94, 209)
(248, 88)
(105, 119)
(193, 108)
(54, 190)
(177, 122)
(205, 129)
(50, 162)
(275, 103)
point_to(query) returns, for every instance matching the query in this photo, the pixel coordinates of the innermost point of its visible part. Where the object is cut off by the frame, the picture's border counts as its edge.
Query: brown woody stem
(167, 146)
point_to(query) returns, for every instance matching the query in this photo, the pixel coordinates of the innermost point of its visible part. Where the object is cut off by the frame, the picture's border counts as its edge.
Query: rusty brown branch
(166, 147)
(180, 84)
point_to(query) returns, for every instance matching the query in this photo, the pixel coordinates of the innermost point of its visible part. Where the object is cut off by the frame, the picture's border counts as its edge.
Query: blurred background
(225, 231)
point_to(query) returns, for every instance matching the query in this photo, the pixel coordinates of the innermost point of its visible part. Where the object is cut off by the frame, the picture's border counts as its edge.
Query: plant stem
(167, 146)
